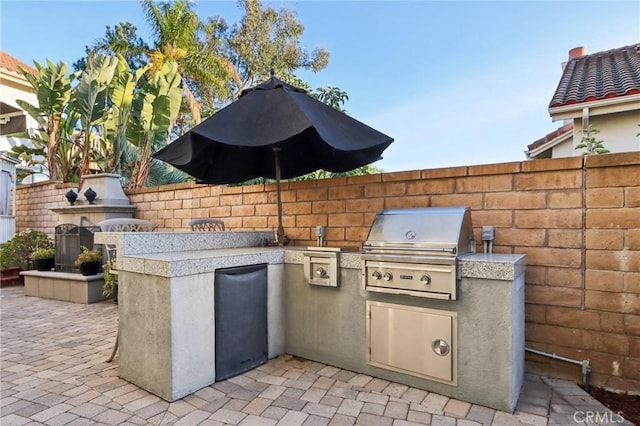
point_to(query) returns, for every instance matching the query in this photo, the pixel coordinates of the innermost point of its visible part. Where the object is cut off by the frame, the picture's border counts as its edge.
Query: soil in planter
(629, 405)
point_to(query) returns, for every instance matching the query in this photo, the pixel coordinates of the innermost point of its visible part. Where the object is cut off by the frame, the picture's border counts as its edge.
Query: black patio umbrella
(276, 131)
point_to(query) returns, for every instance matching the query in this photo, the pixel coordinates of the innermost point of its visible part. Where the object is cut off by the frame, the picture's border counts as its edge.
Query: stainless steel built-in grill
(415, 251)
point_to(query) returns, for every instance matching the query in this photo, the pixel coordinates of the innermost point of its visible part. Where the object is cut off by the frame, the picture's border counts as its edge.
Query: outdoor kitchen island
(337, 326)
(167, 311)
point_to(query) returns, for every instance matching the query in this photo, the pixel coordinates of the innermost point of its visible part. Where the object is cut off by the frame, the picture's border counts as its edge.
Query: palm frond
(194, 105)
(161, 173)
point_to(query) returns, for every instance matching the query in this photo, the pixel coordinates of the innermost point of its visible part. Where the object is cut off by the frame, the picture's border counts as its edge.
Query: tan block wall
(578, 222)
(33, 204)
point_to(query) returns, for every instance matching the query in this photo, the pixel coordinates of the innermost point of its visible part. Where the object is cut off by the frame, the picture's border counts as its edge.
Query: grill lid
(444, 230)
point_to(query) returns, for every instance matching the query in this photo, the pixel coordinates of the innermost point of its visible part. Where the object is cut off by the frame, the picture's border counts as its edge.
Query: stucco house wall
(13, 86)
(567, 148)
(618, 132)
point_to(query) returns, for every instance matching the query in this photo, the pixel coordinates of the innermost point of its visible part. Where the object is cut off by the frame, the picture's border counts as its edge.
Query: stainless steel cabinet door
(415, 341)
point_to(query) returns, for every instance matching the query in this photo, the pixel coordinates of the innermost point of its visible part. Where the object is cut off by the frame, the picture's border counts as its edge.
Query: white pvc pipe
(586, 368)
(554, 356)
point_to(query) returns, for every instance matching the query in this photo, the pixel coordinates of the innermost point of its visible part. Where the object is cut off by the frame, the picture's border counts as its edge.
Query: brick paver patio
(53, 372)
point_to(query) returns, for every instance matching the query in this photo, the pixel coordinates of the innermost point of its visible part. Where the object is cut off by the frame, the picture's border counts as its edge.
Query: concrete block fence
(576, 219)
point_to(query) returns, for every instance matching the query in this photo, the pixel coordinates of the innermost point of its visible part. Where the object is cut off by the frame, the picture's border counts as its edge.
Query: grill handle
(452, 250)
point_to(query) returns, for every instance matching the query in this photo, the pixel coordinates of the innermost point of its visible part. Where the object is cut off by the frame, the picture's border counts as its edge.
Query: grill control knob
(425, 279)
(376, 275)
(388, 276)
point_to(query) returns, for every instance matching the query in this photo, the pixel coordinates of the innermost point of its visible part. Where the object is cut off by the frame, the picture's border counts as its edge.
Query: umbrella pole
(280, 232)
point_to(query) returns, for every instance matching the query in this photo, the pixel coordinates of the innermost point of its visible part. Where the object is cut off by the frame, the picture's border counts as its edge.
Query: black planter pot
(89, 268)
(44, 264)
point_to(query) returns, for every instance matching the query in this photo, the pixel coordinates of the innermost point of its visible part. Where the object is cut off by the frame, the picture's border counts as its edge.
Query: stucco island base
(167, 329)
(168, 344)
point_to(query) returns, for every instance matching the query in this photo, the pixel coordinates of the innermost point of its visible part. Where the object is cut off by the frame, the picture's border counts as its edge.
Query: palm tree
(266, 39)
(177, 29)
(123, 40)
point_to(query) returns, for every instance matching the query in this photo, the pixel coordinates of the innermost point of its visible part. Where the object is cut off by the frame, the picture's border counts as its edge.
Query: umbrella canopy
(273, 130)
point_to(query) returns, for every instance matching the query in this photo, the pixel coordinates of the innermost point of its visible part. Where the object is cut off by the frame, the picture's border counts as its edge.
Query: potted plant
(110, 286)
(89, 261)
(44, 258)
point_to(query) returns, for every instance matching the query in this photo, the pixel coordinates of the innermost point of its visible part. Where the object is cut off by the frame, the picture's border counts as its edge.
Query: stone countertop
(180, 254)
(477, 265)
(349, 258)
(191, 262)
(138, 243)
(493, 266)
(63, 276)
(173, 254)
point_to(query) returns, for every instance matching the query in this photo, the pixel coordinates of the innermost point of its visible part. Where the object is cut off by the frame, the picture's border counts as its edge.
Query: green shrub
(88, 256)
(110, 281)
(43, 253)
(17, 251)
(7, 256)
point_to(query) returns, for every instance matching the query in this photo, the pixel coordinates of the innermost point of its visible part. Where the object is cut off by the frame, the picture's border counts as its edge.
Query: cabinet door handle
(440, 347)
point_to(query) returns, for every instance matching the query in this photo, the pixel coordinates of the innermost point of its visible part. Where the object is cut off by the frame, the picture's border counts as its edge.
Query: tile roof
(551, 136)
(10, 63)
(598, 76)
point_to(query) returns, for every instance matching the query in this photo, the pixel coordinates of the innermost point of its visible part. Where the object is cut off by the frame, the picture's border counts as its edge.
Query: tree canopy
(129, 97)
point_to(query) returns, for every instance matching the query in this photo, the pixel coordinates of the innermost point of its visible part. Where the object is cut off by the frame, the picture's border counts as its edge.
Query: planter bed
(64, 286)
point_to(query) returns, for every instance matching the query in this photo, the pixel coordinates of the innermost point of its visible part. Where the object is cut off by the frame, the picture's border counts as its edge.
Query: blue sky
(454, 83)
